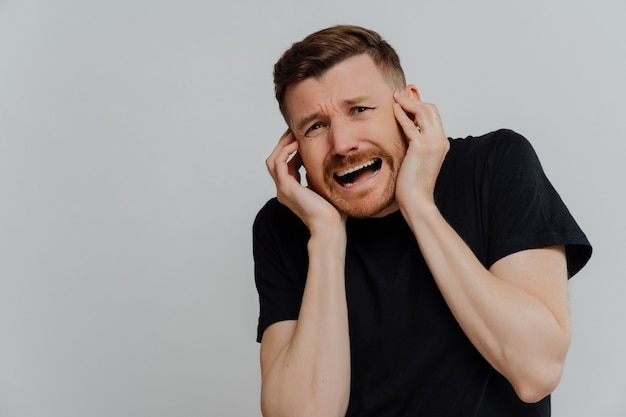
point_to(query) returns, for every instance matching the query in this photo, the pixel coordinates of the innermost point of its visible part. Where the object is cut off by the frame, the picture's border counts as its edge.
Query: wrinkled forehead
(353, 77)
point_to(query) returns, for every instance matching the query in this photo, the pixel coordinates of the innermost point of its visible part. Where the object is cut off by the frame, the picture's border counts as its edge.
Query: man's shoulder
(271, 208)
(275, 216)
(493, 139)
(491, 147)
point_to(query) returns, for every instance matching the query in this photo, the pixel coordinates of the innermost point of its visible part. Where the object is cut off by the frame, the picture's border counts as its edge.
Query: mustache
(339, 162)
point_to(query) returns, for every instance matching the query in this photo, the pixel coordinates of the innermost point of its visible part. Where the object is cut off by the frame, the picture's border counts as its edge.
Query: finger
(409, 104)
(286, 135)
(278, 161)
(294, 164)
(275, 156)
(428, 115)
(411, 107)
(411, 130)
(425, 115)
(287, 138)
(283, 170)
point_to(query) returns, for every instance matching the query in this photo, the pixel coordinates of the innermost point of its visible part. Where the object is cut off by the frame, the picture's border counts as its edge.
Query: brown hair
(318, 52)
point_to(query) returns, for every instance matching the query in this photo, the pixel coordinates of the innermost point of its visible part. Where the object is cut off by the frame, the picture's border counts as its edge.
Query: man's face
(350, 143)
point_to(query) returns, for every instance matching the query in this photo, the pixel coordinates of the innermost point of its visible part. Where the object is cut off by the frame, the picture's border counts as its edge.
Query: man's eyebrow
(356, 100)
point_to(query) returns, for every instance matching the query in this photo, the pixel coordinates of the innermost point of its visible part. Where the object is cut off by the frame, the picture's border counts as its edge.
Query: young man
(413, 275)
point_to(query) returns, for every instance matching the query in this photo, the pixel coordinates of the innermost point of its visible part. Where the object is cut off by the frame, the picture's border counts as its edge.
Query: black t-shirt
(409, 356)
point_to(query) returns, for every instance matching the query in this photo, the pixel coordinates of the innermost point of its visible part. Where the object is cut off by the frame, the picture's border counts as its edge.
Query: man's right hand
(305, 363)
(309, 206)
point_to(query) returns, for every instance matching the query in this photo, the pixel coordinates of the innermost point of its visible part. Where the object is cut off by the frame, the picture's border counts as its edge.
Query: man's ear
(411, 91)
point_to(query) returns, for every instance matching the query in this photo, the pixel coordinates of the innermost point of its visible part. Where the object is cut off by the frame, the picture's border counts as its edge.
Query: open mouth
(351, 176)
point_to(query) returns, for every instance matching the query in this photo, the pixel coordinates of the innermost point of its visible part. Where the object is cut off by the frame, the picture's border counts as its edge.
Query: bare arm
(305, 364)
(515, 313)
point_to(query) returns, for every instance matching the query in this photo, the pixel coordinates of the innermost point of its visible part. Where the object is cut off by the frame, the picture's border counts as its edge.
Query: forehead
(353, 77)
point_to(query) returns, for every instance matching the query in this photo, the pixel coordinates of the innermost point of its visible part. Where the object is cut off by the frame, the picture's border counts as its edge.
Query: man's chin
(368, 209)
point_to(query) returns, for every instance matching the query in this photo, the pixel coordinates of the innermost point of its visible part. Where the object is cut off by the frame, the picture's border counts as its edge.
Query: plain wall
(133, 136)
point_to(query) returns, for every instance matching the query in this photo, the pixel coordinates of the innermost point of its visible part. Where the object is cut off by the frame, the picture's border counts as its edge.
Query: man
(413, 275)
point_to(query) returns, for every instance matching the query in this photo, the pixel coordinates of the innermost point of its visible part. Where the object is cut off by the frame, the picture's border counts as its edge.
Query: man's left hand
(426, 151)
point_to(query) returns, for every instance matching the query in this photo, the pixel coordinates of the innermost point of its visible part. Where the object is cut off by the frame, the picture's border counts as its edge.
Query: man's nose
(343, 138)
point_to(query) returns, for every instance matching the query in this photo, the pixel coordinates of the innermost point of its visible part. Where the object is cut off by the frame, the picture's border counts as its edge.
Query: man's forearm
(310, 376)
(515, 331)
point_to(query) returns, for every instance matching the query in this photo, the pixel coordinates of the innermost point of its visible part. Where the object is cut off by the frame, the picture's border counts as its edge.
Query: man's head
(320, 51)
(336, 92)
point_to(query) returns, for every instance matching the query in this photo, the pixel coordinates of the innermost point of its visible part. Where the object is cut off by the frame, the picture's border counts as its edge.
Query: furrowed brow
(302, 124)
(356, 100)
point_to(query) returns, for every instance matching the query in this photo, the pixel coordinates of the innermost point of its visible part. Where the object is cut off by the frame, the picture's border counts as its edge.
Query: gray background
(132, 143)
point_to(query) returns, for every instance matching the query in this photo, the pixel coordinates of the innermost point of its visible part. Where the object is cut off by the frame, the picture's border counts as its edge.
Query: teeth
(356, 168)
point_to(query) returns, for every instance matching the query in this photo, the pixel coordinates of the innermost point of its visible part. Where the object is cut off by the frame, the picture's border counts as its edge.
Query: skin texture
(515, 313)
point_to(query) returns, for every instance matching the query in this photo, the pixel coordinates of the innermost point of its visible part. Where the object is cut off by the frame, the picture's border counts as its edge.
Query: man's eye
(313, 128)
(360, 109)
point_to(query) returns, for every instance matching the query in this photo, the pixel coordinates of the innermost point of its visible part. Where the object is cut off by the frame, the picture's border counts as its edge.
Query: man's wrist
(421, 210)
(329, 232)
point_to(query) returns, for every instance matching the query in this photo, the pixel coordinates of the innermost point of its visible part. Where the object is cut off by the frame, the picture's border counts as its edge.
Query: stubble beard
(366, 205)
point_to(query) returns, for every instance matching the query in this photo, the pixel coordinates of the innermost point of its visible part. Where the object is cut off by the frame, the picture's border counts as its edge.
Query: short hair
(318, 52)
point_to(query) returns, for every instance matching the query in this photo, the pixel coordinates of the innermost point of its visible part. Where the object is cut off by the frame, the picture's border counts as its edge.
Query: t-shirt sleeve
(525, 211)
(279, 271)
